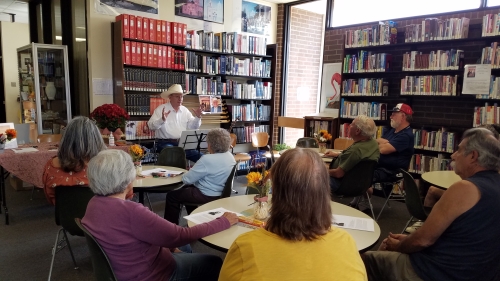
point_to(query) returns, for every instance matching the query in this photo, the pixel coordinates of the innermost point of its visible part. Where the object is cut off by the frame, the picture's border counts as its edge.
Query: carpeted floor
(25, 244)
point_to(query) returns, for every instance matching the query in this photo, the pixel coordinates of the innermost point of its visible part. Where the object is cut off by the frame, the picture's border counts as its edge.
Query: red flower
(109, 116)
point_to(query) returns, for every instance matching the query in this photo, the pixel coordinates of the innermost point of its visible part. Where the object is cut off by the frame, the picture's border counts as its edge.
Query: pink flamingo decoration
(335, 78)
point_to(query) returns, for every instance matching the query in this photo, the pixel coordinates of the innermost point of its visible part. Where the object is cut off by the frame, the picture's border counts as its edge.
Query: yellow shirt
(262, 255)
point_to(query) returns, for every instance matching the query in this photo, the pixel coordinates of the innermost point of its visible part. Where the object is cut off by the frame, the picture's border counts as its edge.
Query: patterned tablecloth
(29, 166)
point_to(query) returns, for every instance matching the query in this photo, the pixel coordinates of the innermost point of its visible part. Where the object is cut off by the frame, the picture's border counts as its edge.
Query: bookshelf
(312, 125)
(441, 114)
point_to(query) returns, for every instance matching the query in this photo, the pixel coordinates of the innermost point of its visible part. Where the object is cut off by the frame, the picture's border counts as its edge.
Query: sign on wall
(189, 9)
(116, 7)
(255, 18)
(214, 11)
(330, 87)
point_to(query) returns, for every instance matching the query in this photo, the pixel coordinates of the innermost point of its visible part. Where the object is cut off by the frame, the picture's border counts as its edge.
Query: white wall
(14, 35)
(99, 36)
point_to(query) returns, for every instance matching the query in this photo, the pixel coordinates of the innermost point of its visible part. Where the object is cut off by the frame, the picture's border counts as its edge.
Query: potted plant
(280, 147)
(260, 182)
(137, 153)
(322, 137)
(110, 117)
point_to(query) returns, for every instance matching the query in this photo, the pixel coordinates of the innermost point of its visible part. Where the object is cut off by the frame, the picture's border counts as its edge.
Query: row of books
(138, 130)
(437, 29)
(487, 114)
(440, 140)
(421, 163)
(344, 131)
(432, 85)
(491, 55)
(491, 25)
(152, 55)
(366, 61)
(374, 110)
(149, 80)
(141, 104)
(365, 87)
(249, 112)
(494, 92)
(316, 125)
(252, 89)
(384, 33)
(244, 134)
(436, 60)
(228, 65)
(226, 42)
(153, 30)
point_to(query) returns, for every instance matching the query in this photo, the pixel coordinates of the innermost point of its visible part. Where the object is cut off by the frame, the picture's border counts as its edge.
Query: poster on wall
(255, 18)
(116, 7)
(189, 9)
(214, 11)
(330, 87)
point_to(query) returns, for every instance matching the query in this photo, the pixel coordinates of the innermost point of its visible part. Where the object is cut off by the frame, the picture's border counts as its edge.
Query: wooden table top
(441, 179)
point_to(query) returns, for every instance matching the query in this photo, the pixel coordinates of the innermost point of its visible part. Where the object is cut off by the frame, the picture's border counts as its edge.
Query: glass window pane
(492, 3)
(347, 12)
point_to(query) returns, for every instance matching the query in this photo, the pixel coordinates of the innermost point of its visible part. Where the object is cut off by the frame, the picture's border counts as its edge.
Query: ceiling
(17, 7)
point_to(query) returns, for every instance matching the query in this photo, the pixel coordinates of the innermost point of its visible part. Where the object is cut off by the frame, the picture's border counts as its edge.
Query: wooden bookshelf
(312, 125)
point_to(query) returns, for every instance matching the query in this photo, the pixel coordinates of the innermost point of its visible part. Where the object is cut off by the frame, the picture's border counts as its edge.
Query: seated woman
(300, 225)
(138, 242)
(80, 141)
(206, 179)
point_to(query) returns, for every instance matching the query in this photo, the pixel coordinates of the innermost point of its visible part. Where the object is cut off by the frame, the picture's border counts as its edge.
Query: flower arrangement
(323, 136)
(136, 152)
(109, 116)
(8, 135)
(260, 182)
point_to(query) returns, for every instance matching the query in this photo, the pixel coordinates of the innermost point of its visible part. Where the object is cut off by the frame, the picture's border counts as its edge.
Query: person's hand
(397, 236)
(392, 242)
(164, 114)
(383, 246)
(231, 217)
(331, 154)
(197, 111)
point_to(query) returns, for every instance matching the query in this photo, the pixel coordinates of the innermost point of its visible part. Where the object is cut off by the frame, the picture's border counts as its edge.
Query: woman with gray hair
(205, 180)
(79, 143)
(139, 243)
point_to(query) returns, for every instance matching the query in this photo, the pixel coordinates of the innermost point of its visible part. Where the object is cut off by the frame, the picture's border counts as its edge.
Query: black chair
(173, 156)
(357, 181)
(307, 143)
(100, 262)
(71, 203)
(413, 201)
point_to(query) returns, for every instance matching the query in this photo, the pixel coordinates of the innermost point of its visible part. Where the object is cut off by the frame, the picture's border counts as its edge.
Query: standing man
(171, 118)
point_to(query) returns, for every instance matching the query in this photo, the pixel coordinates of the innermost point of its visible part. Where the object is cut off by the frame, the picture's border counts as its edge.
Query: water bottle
(111, 140)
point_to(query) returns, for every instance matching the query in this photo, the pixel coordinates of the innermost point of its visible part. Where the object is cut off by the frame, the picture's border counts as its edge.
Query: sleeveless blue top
(469, 249)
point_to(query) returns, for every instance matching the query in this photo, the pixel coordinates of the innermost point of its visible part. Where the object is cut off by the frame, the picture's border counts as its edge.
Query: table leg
(4, 199)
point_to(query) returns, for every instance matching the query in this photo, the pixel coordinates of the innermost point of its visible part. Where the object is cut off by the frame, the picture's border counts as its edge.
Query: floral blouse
(55, 176)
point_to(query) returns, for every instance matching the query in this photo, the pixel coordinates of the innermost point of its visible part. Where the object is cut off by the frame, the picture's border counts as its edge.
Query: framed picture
(24, 61)
(255, 18)
(330, 87)
(189, 9)
(214, 11)
(205, 103)
(127, 7)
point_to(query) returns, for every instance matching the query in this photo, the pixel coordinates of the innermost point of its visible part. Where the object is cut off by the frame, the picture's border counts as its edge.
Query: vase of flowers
(260, 182)
(109, 116)
(9, 135)
(322, 137)
(137, 153)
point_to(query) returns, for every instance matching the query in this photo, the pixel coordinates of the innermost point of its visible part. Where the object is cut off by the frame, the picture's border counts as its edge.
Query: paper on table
(24, 149)
(160, 170)
(353, 223)
(207, 216)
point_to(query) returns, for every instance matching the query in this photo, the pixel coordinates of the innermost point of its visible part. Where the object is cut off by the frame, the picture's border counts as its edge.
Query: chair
(307, 143)
(238, 157)
(100, 262)
(260, 139)
(413, 201)
(396, 193)
(49, 138)
(357, 181)
(342, 143)
(71, 203)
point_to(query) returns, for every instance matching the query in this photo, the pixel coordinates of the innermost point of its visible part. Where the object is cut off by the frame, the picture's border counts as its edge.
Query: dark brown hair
(301, 196)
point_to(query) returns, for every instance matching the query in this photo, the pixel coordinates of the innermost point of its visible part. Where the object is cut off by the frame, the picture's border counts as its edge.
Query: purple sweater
(137, 241)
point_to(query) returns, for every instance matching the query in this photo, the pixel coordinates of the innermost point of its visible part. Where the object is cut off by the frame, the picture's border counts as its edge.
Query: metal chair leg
(385, 203)
(371, 206)
(69, 247)
(407, 224)
(149, 202)
(54, 251)
(32, 192)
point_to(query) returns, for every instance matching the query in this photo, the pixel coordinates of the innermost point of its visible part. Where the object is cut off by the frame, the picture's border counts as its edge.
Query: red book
(145, 29)
(138, 53)
(155, 55)
(138, 27)
(128, 59)
(132, 26)
(169, 57)
(144, 53)
(160, 56)
(168, 34)
(152, 30)
(133, 47)
(164, 56)
(173, 32)
(125, 27)
(184, 34)
(150, 54)
(158, 31)
(163, 31)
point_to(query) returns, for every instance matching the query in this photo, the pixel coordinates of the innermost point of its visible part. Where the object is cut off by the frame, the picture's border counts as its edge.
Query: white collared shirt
(176, 122)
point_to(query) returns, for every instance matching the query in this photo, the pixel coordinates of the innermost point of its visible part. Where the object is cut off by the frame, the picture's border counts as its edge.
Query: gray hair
(110, 172)
(365, 125)
(483, 141)
(79, 143)
(219, 140)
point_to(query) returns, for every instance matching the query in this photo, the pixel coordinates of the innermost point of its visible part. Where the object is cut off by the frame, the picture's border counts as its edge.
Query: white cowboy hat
(174, 89)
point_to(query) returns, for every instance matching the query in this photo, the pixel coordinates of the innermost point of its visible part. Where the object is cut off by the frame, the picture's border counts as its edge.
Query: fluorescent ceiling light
(59, 38)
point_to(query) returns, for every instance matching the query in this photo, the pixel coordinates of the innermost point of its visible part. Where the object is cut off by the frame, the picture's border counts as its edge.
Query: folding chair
(413, 201)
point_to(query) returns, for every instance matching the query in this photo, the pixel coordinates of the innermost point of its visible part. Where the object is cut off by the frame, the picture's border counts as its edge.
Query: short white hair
(110, 172)
(366, 125)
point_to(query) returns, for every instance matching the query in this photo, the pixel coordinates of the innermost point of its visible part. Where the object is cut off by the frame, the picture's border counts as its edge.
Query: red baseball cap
(403, 107)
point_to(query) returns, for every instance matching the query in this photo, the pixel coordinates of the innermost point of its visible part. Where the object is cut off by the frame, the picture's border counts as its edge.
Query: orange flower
(136, 152)
(11, 134)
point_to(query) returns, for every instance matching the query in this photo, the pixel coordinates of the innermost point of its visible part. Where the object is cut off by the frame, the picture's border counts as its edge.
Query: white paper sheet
(353, 223)
(160, 170)
(24, 149)
(208, 216)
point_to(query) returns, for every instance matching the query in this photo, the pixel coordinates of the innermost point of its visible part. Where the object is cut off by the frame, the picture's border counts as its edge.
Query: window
(348, 12)
(492, 3)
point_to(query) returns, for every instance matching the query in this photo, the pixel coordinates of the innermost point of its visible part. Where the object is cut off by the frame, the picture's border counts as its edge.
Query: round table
(441, 179)
(223, 240)
(157, 185)
(326, 159)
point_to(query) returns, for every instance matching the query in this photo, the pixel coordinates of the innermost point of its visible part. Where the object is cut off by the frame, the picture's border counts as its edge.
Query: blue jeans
(193, 267)
(192, 154)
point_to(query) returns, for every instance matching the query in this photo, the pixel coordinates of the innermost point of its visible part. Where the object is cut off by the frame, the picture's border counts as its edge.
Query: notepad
(353, 223)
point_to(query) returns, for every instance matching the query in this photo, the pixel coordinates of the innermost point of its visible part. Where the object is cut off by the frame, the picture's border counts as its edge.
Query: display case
(44, 86)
